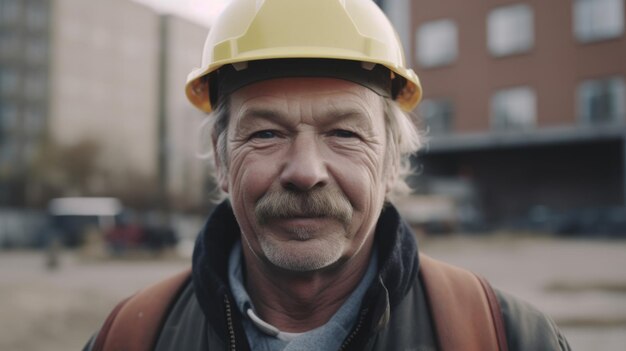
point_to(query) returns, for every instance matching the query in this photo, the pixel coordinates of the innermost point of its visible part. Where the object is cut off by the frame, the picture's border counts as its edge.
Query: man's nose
(304, 167)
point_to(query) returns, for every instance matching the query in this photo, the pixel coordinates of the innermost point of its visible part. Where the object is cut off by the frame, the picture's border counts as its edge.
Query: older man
(307, 253)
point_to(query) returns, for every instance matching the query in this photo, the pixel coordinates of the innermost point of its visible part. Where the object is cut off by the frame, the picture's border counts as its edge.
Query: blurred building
(187, 175)
(524, 103)
(24, 71)
(93, 102)
(105, 89)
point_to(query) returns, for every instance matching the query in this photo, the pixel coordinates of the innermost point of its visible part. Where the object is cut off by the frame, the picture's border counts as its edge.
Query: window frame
(521, 42)
(580, 28)
(509, 123)
(446, 126)
(584, 115)
(427, 60)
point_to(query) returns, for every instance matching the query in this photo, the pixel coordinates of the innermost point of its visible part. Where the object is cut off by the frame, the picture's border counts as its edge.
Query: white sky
(200, 11)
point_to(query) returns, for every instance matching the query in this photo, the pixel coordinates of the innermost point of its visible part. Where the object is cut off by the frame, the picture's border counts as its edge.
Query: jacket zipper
(229, 322)
(355, 331)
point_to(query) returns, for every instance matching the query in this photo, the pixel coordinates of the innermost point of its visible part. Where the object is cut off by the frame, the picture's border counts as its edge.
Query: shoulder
(162, 314)
(527, 328)
(185, 325)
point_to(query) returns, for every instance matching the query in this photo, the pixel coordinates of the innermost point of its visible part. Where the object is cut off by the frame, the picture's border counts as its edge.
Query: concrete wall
(104, 75)
(186, 173)
(118, 74)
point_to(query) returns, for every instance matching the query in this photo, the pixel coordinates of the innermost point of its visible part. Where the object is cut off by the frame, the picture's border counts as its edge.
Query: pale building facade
(104, 72)
(187, 173)
(108, 74)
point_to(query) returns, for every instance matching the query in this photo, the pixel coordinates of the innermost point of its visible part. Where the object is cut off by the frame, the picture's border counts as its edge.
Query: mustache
(320, 202)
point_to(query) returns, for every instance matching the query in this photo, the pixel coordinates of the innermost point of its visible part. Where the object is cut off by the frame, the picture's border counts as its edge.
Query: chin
(302, 256)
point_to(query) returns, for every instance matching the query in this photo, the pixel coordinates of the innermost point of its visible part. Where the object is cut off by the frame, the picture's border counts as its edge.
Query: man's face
(305, 170)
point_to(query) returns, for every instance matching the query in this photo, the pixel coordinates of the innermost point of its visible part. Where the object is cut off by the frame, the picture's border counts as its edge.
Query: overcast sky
(200, 11)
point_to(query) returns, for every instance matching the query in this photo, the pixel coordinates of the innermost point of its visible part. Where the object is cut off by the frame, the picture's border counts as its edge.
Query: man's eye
(263, 134)
(343, 133)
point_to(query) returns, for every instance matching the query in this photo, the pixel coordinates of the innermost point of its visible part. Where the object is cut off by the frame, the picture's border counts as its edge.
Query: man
(310, 141)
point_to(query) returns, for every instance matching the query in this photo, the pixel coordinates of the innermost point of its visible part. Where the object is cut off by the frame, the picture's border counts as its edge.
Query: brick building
(524, 102)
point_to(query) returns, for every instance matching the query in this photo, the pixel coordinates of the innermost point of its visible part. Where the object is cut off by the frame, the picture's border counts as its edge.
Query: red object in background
(125, 236)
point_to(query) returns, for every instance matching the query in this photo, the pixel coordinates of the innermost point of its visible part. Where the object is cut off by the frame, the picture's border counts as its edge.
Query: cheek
(250, 176)
(361, 178)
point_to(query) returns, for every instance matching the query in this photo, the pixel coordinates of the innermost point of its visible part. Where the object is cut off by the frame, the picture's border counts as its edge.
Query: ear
(220, 169)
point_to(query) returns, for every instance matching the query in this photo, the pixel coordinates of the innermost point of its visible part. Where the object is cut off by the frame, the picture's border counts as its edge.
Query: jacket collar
(398, 267)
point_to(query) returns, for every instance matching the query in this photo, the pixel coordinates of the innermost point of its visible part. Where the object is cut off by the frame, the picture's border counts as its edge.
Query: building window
(35, 85)
(34, 121)
(510, 30)
(31, 150)
(436, 43)
(602, 101)
(9, 81)
(10, 12)
(438, 115)
(10, 45)
(37, 15)
(598, 19)
(36, 50)
(8, 152)
(8, 117)
(514, 109)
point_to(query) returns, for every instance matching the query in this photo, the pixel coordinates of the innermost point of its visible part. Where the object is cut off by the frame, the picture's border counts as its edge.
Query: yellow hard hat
(253, 30)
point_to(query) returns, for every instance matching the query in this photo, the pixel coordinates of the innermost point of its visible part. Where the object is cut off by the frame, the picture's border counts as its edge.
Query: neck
(301, 301)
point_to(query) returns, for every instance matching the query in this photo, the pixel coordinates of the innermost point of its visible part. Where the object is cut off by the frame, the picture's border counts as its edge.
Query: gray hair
(402, 135)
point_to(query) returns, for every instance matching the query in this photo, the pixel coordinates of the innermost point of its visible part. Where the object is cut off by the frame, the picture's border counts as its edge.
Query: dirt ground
(581, 284)
(60, 309)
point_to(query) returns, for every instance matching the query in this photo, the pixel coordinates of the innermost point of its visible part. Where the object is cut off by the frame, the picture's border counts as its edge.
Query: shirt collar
(345, 317)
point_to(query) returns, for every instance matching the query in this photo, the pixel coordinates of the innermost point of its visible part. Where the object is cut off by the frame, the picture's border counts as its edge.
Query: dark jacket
(394, 314)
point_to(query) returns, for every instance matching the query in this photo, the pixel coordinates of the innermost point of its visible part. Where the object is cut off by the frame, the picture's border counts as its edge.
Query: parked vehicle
(70, 218)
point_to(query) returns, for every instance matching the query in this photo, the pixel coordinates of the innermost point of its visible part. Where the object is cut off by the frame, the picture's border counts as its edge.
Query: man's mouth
(301, 216)
(299, 220)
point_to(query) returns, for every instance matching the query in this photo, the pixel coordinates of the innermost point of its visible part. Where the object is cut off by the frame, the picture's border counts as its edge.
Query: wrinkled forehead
(306, 97)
